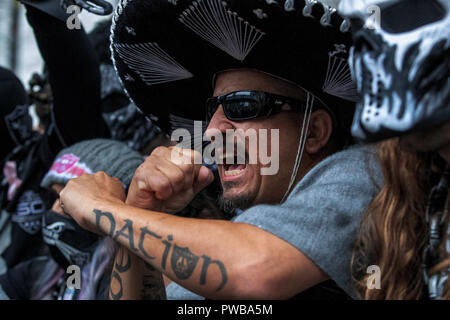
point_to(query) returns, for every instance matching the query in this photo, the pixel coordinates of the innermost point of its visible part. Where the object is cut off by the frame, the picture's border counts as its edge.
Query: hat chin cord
(301, 144)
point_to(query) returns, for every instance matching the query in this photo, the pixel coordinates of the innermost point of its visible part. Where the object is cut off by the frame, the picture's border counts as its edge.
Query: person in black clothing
(45, 277)
(12, 94)
(75, 116)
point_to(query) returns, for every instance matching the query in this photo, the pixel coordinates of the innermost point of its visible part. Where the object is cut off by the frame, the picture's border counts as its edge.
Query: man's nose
(219, 122)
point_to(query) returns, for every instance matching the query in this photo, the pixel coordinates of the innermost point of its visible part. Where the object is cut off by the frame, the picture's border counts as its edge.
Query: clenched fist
(168, 180)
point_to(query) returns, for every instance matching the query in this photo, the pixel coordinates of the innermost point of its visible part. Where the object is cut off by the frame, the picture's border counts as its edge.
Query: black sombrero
(166, 52)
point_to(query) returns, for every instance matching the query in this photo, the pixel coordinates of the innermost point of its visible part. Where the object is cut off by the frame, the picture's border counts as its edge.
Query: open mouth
(233, 167)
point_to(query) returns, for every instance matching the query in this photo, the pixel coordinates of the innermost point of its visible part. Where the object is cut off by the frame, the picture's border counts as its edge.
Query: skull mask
(401, 65)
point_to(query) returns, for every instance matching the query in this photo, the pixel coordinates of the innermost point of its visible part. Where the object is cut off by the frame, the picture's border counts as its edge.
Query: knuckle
(159, 151)
(99, 174)
(142, 171)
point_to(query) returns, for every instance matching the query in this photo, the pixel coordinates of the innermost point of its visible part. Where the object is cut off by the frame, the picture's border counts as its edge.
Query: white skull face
(401, 64)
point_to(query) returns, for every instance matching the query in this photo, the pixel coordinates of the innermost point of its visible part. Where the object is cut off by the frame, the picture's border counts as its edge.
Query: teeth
(233, 172)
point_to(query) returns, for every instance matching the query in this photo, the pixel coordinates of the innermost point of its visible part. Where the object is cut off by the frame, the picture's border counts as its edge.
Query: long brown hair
(394, 231)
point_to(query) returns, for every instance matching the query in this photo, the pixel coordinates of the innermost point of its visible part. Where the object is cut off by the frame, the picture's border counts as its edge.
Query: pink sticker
(64, 163)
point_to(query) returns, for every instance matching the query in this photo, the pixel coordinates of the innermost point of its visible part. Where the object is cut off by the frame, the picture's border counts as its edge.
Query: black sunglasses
(246, 105)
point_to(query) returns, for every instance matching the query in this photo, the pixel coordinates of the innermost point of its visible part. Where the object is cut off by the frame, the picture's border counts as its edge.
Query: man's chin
(229, 203)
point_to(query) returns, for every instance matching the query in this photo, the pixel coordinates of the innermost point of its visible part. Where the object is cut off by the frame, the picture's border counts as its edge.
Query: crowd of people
(355, 116)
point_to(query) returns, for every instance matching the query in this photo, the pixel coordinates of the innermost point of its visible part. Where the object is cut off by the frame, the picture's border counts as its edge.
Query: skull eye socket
(404, 16)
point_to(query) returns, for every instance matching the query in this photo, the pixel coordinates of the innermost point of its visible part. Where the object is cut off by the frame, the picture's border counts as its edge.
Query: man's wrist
(105, 215)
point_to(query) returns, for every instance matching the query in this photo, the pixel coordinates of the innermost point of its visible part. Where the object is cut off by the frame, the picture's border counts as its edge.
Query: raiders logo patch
(29, 212)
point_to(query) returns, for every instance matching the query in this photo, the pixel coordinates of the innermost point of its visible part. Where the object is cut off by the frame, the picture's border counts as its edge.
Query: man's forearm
(160, 250)
(213, 258)
(133, 279)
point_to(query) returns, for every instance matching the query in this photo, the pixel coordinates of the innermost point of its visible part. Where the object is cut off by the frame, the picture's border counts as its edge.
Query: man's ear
(320, 129)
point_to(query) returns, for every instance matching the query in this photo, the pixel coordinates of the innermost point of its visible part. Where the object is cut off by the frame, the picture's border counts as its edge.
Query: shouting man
(279, 69)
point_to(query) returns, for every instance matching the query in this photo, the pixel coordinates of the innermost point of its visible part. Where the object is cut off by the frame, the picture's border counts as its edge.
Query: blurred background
(18, 50)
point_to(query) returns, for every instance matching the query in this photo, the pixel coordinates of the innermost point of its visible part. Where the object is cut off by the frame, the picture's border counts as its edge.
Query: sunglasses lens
(237, 106)
(241, 109)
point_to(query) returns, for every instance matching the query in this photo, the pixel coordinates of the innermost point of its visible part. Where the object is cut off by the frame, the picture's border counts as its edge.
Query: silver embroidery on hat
(338, 80)
(325, 20)
(174, 2)
(226, 30)
(260, 14)
(271, 1)
(130, 30)
(307, 10)
(289, 5)
(151, 63)
(122, 4)
(329, 7)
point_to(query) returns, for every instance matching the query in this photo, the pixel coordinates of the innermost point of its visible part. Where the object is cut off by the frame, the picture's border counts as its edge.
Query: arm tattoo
(128, 235)
(119, 294)
(166, 251)
(206, 263)
(144, 232)
(121, 265)
(183, 261)
(99, 214)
